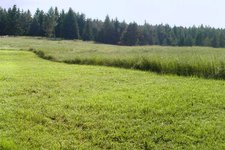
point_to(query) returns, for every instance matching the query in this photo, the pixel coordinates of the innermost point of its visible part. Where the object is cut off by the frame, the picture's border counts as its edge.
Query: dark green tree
(130, 35)
(145, 35)
(36, 27)
(97, 26)
(188, 41)
(87, 33)
(116, 34)
(13, 26)
(70, 26)
(49, 23)
(106, 34)
(3, 21)
(199, 39)
(215, 41)
(56, 13)
(59, 25)
(25, 21)
(81, 23)
(222, 39)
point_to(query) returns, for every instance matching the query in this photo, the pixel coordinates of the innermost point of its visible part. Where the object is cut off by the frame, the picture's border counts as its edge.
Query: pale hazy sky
(173, 12)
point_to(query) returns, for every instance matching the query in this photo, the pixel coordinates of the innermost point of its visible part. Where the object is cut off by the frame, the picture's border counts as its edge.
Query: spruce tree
(70, 26)
(107, 31)
(13, 26)
(97, 26)
(35, 28)
(215, 41)
(117, 32)
(222, 39)
(130, 35)
(49, 23)
(40, 19)
(3, 20)
(87, 33)
(81, 23)
(146, 35)
(25, 22)
(59, 25)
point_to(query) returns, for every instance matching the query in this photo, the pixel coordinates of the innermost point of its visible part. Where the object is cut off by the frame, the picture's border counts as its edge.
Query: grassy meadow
(186, 61)
(50, 105)
(53, 105)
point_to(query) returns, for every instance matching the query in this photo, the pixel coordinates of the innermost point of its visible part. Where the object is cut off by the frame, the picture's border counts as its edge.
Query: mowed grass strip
(49, 105)
(185, 61)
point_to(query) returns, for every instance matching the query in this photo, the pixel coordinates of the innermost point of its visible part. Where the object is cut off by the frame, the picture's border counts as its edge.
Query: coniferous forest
(72, 25)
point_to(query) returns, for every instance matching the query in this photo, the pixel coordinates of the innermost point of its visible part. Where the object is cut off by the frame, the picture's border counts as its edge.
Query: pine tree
(107, 31)
(146, 35)
(56, 13)
(13, 26)
(40, 19)
(59, 25)
(3, 20)
(117, 32)
(35, 28)
(162, 35)
(25, 22)
(188, 41)
(97, 26)
(215, 41)
(222, 39)
(49, 23)
(130, 35)
(199, 39)
(87, 33)
(70, 26)
(81, 23)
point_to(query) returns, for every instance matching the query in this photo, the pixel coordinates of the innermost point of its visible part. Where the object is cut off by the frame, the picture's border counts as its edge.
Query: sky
(173, 12)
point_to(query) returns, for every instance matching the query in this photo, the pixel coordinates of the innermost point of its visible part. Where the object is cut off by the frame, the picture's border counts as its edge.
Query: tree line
(73, 25)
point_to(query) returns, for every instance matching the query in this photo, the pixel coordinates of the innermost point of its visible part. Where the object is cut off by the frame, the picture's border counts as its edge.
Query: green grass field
(186, 61)
(51, 105)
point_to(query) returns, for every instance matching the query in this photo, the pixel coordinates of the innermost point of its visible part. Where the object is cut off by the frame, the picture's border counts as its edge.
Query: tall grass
(200, 68)
(186, 61)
